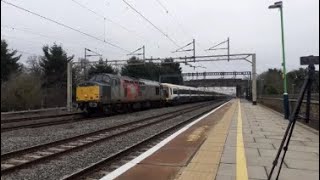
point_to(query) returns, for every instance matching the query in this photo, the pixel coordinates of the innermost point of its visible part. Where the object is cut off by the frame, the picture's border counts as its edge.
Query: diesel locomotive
(110, 93)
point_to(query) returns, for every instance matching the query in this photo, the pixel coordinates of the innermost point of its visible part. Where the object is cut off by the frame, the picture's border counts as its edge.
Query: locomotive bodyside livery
(107, 92)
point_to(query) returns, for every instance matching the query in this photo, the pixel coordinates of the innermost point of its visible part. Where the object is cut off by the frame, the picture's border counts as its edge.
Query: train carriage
(177, 94)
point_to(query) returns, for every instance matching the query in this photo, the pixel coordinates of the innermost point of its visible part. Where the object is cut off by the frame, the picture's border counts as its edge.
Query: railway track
(16, 160)
(39, 121)
(30, 118)
(16, 123)
(33, 113)
(96, 170)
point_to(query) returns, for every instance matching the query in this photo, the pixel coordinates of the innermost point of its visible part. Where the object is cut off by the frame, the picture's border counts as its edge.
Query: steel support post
(144, 53)
(228, 49)
(285, 92)
(254, 80)
(85, 64)
(69, 86)
(194, 50)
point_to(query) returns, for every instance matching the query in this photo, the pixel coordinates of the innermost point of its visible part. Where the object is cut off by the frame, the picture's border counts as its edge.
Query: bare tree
(33, 65)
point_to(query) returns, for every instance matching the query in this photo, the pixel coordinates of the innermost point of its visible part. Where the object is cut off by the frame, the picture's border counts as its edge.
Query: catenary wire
(64, 25)
(156, 27)
(175, 20)
(41, 35)
(113, 22)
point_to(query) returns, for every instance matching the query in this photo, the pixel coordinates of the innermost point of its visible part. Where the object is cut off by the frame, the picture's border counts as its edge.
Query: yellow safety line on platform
(242, 173)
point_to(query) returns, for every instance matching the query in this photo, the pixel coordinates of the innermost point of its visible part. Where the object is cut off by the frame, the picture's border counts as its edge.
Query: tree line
(39, 83)
(42, 82)
(270, 82)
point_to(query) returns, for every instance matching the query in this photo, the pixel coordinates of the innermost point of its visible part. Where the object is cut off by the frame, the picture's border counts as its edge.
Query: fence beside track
(276, 103)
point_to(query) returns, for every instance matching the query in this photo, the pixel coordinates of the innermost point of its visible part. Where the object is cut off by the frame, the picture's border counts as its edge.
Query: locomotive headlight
(93, 104)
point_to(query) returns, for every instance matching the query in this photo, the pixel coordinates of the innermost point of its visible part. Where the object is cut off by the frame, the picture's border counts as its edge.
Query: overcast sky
(251, 26)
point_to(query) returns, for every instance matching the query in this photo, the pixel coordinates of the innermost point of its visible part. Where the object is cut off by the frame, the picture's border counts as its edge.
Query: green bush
(22, 91)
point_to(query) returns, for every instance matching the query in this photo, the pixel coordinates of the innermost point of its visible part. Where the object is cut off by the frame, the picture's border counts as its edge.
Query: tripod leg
(311, 78)
(292, 119)
(286, 147)
(275, 162)
(308, 102)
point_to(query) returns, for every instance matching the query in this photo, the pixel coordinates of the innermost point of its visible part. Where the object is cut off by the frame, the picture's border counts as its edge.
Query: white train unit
(178, 94)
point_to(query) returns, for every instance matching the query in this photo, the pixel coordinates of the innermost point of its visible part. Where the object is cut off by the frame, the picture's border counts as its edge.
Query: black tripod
(292, 119)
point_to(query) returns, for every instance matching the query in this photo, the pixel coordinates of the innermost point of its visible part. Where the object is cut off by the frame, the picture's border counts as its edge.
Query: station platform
(236, 141)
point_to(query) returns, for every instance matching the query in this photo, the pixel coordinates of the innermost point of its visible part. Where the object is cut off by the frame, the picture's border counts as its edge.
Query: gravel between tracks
(22, 138)
(57, 168)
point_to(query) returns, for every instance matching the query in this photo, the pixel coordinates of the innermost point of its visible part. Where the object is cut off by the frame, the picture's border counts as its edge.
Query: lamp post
(278, 5)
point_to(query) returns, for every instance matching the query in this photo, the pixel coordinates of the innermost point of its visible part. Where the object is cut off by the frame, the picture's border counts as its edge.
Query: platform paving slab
(302, 158)
(209, 158)
(297, 174)
(186, 156)
(208, 151)
(267, 128)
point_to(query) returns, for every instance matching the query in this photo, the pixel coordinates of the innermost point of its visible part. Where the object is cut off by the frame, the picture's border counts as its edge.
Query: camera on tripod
(307, 60)
(305, 89)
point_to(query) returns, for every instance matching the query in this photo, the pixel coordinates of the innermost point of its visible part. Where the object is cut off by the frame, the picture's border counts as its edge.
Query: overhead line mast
(138, 54)
(215, 47)
(193, 43)
(181, 49)
(175, 20)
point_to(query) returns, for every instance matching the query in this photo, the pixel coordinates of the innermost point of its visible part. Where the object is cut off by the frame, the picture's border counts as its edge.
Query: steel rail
(21, 123)
(24, 119)
(116, 156)
(50, 150)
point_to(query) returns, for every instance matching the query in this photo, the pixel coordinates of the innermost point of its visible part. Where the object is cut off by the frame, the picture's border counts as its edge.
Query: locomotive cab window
(105, 79)
(93, 78)
(114, 82)
(98, 78)
(157, 90)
